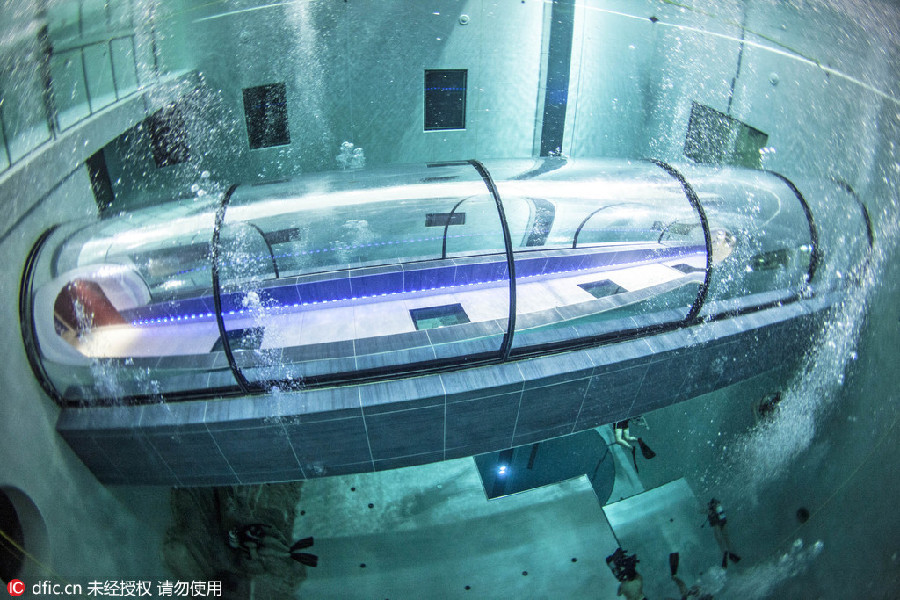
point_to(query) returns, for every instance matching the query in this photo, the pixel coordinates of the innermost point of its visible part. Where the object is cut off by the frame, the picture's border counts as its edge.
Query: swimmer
(715, 514)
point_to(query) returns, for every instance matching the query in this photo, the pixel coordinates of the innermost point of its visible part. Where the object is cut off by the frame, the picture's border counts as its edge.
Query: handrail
(870, 232)
(583, 223)
(447, 226)
(269, 246)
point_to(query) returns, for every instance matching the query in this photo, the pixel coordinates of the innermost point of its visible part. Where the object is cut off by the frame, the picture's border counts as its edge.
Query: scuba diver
(623, 438)
(622, 435)
(259, 539)
(622, 565)
(767, 408)
(717, 519)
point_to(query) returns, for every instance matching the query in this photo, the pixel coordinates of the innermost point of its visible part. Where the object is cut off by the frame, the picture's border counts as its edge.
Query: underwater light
(502, 470)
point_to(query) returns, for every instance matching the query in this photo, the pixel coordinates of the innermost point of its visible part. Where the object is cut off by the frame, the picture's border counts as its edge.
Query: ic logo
(15, 587)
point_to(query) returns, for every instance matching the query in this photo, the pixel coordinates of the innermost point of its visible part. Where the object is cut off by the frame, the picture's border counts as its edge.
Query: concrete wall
(87, 525)
(76, 530)
(353, 72)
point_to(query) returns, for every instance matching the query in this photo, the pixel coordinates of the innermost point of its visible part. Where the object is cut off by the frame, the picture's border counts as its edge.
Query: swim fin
(310, 560)
(645, 450)
(634, 458)
(304, 543)
(734, 557)
(673, 563)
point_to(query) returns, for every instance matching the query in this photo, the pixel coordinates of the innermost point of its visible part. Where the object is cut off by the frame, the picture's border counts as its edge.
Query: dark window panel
(442, 219)
(265, 110)
(445, 99)
(716, 138)
(101, 184)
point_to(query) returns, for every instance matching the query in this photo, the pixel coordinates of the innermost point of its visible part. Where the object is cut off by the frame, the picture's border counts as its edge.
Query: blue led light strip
(672, 254)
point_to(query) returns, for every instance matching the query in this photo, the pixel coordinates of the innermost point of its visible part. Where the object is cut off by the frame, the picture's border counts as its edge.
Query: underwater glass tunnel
(427, 280)
(351, 276)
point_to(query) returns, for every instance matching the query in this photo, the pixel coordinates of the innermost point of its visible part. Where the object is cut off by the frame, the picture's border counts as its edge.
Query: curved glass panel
(368, 274)
(760, 237)
(600, 248)
(842, 236)
(119, 306)
(345, 273)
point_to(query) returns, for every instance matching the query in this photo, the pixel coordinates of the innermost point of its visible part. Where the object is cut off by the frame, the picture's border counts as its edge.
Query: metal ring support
(695, 202)
(813, 232)
(217, 293)
(26, 319)
(510, 261)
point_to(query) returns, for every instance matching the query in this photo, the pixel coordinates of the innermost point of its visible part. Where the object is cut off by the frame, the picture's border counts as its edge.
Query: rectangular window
(442, 219)
(101, 184)
(265, 110)
(716, 138)
(432, 317)
(445, 99)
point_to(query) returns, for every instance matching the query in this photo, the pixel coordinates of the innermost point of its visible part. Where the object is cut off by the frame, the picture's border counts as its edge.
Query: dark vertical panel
(168, 136)
(265, 110)
(11, 558)
(101, 184)
(445, 99)
(46, 50)
(559, 57)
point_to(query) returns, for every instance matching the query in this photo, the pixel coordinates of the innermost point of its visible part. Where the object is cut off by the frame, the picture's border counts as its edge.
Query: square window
(265, 110)
(445, 99)
(602, 288)
(716, 138)
(432, 317)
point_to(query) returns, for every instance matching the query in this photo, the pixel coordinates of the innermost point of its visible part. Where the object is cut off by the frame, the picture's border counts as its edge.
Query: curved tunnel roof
(358, 275)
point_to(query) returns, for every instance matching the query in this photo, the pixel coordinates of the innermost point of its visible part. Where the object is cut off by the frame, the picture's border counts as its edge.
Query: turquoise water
(808, 89)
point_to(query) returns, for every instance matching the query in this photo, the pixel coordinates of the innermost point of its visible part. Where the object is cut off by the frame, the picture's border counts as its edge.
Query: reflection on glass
(338, 276)
(93, 291)
(340, 272)
(601, 250)
(760, 236)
